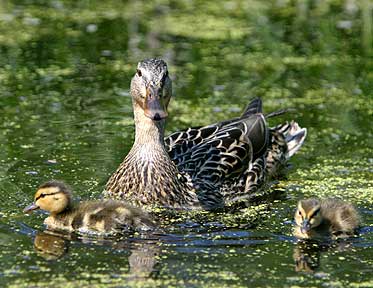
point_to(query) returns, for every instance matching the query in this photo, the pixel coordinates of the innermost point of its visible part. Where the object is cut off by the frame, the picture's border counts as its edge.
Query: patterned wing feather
(218, 152)
(254, 107)
(257, 132)
(211, 154)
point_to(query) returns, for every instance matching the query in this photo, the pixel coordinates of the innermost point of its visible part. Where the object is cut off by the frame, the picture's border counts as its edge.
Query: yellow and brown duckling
(106, 216)
(328, 217)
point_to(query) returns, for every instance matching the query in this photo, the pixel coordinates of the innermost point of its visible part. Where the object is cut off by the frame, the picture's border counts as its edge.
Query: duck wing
(222, 150)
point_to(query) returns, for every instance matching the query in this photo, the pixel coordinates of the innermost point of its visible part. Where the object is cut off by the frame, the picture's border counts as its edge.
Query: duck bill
(154, 107)
(30, 208)
(306, 226)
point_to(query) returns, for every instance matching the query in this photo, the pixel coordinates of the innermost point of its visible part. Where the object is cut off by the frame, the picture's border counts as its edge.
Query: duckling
(106, 216)
(329, 217)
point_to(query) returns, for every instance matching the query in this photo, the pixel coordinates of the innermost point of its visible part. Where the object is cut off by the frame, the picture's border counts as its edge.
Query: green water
(65, 111)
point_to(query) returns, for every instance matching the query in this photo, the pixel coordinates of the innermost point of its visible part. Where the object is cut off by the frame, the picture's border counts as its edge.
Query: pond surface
(65, 111)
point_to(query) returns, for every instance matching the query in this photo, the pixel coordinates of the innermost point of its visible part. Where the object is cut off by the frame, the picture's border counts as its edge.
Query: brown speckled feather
(209, 167)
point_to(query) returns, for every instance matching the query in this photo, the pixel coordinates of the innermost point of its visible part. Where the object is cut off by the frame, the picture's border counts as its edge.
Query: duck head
(53, 197)
(151, 88)
(307, 215)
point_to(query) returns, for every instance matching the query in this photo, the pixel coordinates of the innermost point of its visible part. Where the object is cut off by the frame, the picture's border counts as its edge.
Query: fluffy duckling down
(329, 217)
(102, 216)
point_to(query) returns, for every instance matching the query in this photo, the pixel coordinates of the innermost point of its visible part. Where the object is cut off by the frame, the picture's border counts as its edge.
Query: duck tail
(286, 139)
(294, 137)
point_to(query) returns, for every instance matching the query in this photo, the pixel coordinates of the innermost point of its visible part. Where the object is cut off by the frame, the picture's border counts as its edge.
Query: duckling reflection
(332, 218)
(143, 260)
(49, 245)
(306, 256)
(92, 217)
(307, 252)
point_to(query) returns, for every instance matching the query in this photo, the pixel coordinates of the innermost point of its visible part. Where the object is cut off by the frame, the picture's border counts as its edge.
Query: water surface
(65, 68)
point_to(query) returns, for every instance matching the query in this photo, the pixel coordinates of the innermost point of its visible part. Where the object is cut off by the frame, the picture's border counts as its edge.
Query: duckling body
(210, 167)
(328, 217)
(108, 216)
(100, 216)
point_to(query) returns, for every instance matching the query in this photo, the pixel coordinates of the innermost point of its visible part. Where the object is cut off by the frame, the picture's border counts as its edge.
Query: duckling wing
(131, 218)
(109, 216)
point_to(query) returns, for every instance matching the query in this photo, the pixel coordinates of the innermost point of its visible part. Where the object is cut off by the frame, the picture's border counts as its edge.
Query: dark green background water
(65, 113)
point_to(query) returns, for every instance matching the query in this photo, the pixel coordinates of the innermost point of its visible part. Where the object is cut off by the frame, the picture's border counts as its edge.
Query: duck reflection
(307, 253)
(50, 245)
(306, 256)
(143, 260)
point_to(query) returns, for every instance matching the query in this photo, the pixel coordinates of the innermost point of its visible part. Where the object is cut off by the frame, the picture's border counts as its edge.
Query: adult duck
(208, 167)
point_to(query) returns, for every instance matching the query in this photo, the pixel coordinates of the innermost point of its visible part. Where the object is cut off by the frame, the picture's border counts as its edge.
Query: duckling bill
(106, 216)
(315, 218)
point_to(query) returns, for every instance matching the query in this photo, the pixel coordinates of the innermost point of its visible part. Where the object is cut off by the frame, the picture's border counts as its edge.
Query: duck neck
(147, 131)
(70, 206)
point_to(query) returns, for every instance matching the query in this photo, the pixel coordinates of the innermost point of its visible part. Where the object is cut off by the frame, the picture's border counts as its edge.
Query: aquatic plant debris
(65, 68)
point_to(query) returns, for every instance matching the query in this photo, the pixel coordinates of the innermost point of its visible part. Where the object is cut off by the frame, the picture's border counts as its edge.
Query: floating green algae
(65, 68)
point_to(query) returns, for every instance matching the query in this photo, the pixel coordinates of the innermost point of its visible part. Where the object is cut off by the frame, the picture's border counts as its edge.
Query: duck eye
(299, 213)
(42, 195)
(139, 72)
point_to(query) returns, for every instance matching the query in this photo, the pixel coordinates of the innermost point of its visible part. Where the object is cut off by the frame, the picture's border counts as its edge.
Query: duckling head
(52, 196)
(151, 88)
(308, 214)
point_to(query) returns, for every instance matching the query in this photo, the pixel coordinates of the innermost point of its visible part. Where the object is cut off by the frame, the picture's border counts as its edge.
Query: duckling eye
(139, 73)
(299, 213)
(42, 195)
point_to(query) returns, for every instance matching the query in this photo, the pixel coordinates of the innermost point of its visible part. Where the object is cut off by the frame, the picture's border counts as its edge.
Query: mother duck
(209, 167)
